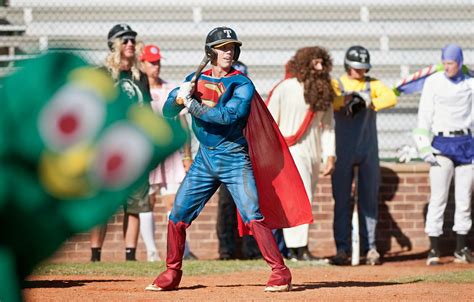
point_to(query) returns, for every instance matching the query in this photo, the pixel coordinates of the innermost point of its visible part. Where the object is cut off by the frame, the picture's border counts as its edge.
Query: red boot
(169, 279)
(280, 279)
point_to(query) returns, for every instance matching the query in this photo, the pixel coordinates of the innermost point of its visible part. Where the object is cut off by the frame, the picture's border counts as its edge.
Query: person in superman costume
(240, 147)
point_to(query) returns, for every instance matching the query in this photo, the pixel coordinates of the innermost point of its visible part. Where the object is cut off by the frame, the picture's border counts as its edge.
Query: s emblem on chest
(209, 93)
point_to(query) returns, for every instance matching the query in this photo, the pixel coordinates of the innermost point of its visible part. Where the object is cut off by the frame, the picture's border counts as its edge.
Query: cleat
(373, 257)
(341, 258)
(463, 256)
(278, 288)
(433, 258)
(153, 287)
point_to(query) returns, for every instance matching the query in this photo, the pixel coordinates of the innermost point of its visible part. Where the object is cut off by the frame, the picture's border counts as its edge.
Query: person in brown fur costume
(302, 107)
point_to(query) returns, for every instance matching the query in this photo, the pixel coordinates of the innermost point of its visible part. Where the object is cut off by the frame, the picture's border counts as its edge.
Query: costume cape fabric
(282, 197)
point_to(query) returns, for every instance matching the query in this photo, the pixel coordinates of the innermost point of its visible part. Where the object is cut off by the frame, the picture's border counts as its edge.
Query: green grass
(191, 268)
(202, 267)
(466, 276)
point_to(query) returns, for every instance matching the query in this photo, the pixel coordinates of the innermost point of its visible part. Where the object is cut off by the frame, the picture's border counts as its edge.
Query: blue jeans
(229, 164)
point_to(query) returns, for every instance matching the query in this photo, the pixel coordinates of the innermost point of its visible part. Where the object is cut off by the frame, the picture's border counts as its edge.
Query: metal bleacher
(402, 36)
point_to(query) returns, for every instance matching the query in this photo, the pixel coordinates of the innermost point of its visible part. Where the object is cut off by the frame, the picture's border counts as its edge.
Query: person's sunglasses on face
(126, 40)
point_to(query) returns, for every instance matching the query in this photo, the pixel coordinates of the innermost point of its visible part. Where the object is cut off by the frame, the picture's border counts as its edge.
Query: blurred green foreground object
(72, 148)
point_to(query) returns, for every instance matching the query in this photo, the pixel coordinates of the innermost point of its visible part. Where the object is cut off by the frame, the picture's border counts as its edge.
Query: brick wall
(404, 193)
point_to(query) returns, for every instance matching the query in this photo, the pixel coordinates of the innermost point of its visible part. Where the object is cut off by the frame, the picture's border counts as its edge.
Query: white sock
(147, 231)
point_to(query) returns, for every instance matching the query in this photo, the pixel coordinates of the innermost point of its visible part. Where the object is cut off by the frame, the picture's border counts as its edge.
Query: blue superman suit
(220, 114)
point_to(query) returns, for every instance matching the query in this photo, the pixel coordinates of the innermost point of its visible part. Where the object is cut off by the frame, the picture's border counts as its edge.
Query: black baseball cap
(121, 30)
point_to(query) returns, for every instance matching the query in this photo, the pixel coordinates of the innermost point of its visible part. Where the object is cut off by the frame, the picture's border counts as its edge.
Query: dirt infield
(326, 283)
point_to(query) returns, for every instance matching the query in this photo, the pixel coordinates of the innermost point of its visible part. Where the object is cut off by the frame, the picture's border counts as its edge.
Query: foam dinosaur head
(72, 148)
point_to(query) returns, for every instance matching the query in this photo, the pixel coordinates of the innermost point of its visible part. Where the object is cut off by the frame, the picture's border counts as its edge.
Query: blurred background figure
(166, 177)
(123, 65)
(230, 247)
(302, 108)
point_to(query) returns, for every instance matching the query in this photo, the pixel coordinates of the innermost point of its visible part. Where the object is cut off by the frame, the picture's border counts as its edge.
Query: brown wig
(318, 91)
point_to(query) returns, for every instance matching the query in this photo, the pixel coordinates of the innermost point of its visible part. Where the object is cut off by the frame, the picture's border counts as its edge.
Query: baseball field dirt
(397, 279)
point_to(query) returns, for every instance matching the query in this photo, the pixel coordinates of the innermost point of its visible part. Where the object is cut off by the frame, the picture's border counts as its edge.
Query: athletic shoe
(305, 255)
(153, 287)
(341, 258)
(433, 257)
(293, 254)
(463, 256)
(153, 256)
(278, 288)
(372, 258)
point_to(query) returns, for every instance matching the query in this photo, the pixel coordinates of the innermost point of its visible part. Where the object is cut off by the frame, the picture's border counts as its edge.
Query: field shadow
(336, 284)
(197, 286)
(63, 283)
(388, 227)
(241, 285)
(403, 256)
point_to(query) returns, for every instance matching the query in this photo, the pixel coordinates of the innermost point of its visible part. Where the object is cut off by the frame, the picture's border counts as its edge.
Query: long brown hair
(318, 91)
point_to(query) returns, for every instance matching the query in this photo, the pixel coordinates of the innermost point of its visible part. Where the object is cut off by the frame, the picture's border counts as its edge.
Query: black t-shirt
(136, 90)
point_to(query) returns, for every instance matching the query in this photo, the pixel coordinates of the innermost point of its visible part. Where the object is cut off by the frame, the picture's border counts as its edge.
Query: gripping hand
(431, 159)
(185, 91)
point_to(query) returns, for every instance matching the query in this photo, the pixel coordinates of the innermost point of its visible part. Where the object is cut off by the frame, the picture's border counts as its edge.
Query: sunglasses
(126, 40)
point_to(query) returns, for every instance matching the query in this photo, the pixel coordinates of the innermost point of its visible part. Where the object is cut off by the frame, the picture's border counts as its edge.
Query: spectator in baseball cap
(123, 66)
(151, 53)
(122, 31)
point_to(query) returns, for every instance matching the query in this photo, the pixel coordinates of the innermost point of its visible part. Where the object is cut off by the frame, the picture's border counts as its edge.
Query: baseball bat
(196, 75)
(355, 259)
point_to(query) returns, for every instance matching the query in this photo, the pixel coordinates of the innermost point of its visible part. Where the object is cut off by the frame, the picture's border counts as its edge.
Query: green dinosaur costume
(72, 148)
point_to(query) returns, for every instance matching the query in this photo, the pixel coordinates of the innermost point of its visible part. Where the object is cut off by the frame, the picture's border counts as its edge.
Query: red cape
(282, 196)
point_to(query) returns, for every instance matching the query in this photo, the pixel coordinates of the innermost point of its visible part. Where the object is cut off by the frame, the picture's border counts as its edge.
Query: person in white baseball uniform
(445, 112)
(302, 108)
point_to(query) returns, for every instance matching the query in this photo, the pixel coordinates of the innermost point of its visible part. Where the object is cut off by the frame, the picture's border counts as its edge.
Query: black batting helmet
(357, 57)
(120, 31)
(220, 36)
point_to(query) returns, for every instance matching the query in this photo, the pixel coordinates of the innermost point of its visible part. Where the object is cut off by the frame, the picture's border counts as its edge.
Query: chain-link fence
(402, 37)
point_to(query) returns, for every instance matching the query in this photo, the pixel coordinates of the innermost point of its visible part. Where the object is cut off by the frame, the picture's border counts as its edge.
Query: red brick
(418, 197)
(404, 207)
(327, 190)
(423, 189)
(406, 225)
(400, 210)
(407, 189)
(200, 236)
(391, 197)
(207, 227)
(417, 180)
